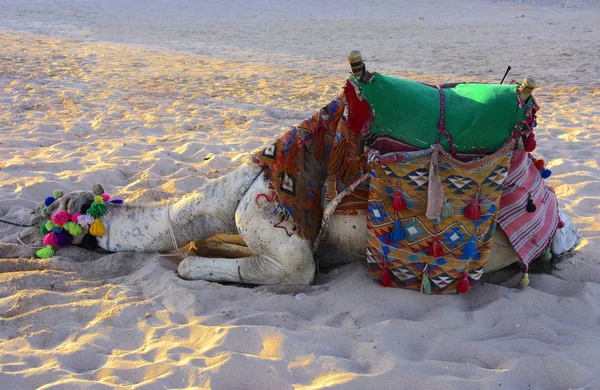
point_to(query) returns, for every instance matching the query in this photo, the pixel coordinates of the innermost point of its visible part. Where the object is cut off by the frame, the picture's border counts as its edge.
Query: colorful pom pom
(64, 238)
(44, 213)
(43, 229)
(56, 229)
(97, 228)
(49, 225)
(50, 239)
(539, 164)
(561, 224)
(45, 253)
(85, 220)
(105, 197)
(398, 232)
(546, 173)
(60, 217)
(49, 200)
(73, 228)
(547, 254)
(75, 216)
(98, 199)
(58, 193)
(463, 284)
(97, 209)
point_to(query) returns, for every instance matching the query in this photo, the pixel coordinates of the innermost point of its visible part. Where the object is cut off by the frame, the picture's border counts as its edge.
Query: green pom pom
(45, 253)
(73, 228)
(49, 225)
(57, 193)
(97, 209)
(44, 213)
(43, 229)
(547, 254)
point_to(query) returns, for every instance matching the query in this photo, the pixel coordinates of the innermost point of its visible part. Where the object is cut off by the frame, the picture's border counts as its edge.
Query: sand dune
(125, 106)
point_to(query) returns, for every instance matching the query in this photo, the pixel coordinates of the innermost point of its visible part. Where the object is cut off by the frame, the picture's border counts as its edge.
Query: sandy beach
(152, 100)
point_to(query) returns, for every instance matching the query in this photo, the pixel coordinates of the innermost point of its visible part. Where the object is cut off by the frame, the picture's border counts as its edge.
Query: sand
(152, 101)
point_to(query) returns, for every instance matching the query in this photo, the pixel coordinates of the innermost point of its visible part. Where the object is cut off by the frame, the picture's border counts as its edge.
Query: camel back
(479, 117)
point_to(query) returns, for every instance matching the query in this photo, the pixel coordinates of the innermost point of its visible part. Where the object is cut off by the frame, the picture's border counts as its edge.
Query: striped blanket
(529, 233)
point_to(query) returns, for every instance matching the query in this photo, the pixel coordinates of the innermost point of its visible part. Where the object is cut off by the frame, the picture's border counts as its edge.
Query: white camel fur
(229, 206)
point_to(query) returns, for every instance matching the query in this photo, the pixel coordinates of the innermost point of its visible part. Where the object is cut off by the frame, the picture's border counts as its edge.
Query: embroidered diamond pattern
(418, 178)
(497, 177)
(476, 273)
(459, 184)
(442, 280)
(454, 237)
(403, 273)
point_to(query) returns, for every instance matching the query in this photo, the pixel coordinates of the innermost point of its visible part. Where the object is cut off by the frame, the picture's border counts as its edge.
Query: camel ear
(98, 189)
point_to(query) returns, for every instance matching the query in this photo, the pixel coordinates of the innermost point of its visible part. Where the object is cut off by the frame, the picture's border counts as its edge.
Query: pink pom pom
(75, 216)
(60, 217)
(105, 197)
(50, 239)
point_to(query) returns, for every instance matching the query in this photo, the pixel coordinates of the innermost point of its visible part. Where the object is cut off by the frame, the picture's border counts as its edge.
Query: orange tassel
(338, 159)
(386, 278)
(539, 164)
(436, 250)
(463, 284)
(351, 173)
(290, 159)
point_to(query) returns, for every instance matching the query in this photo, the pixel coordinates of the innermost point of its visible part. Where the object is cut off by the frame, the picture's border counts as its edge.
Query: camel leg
(279, 258)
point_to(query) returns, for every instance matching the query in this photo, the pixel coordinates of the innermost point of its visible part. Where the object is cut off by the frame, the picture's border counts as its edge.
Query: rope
(441, 128)
(173, 239)
(15, 224)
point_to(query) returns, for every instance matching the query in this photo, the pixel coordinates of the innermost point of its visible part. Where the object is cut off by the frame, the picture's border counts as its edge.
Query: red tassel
(463, 284)
(436, 250)
(561, 224)
(472, 211)
(530, 143)
(386, 278)
(399, 203)
(539, 164)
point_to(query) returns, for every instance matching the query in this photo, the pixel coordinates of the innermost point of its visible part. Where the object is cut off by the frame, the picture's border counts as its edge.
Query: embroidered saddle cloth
(418, 225)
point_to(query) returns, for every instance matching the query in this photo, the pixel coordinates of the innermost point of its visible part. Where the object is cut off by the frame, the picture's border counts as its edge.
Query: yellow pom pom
(98, 199)
(524, 281)
(97, 228)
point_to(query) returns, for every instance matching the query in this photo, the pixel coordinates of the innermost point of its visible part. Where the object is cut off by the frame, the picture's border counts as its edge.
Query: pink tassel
(50, 239)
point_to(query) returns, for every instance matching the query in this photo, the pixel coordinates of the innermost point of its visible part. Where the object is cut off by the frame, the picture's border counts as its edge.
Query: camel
(254, 248)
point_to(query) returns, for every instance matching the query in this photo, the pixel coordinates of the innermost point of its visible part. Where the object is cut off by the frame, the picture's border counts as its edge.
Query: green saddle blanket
(479, 117)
